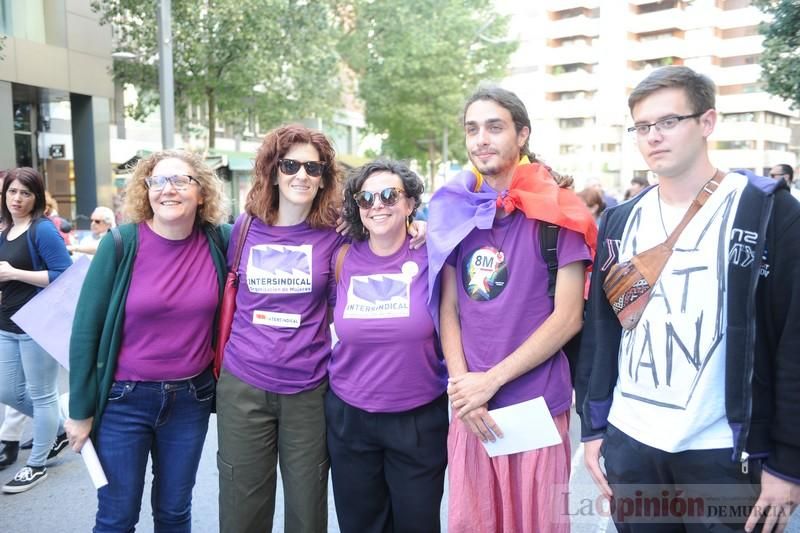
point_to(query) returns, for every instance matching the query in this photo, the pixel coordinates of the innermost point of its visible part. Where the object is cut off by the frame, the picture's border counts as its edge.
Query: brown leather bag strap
(340, 260)
(240, 242)
(705, 193)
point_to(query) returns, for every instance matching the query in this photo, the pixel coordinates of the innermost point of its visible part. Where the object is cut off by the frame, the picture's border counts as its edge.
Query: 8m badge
(485, 273)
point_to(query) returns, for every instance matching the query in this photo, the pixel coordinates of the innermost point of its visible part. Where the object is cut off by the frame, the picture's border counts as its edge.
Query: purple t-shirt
(386, 358)
(502, 298)
(169, 311)
(280, 340)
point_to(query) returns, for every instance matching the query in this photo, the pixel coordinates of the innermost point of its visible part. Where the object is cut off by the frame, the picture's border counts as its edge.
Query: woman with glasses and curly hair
(141, 347)
(386, 408)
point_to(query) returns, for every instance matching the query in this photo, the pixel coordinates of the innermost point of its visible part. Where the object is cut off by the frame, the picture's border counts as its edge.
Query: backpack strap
(340, 260)
(548, 242)
(117, 243)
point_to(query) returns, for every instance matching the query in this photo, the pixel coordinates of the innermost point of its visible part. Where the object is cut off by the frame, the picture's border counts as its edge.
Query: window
(659, 6)
(610, 147)
(735, 4)
(738, 117)
(739, 60)
(572, 95)
(736, 145)
(780, 147)
(568, 123)
(778, 120)
(566, 149)
(745, 31)
(740, 89)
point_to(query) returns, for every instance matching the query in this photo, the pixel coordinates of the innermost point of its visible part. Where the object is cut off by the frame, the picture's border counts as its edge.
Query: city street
(65, 501)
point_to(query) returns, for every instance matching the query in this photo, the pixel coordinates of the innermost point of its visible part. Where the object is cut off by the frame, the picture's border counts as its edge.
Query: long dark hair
(33, 181)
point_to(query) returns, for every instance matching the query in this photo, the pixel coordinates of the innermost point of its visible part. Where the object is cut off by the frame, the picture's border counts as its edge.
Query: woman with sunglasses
(274, 374)
(32, 255)
(141, 347)
(386, 407)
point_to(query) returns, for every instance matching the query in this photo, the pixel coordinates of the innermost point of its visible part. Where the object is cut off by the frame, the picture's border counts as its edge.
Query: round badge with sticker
(485, 273)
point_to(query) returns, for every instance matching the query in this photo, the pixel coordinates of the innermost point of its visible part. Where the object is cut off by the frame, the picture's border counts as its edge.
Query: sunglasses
(388, 196)
(290, 167)
(98, 221)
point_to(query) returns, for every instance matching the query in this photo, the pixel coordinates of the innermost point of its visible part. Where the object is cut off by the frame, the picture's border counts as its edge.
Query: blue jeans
(167, 420)
(28, 383)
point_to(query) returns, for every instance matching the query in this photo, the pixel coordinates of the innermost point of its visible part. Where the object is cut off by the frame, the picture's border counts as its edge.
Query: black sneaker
(60, 443)
(26, 479)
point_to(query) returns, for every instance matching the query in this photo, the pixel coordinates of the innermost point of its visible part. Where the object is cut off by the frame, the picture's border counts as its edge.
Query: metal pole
(445, 159)
(166, 83)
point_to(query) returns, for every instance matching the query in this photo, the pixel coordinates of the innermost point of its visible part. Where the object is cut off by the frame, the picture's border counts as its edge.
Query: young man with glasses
(503, 348)
(698, 400)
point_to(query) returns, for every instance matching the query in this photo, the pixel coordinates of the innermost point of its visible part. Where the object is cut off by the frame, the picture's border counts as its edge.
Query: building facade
(55, 99)
(578, 61)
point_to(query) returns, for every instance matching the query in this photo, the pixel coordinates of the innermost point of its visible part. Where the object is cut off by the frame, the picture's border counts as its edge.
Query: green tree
(270, 58)
(416, 62)
(780, 60)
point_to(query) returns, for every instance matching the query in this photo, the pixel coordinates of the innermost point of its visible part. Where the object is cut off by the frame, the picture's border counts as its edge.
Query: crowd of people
(686, 377)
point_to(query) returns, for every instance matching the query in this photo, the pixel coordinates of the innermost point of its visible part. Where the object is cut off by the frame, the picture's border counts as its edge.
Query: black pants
(387, 468)
(693, 491)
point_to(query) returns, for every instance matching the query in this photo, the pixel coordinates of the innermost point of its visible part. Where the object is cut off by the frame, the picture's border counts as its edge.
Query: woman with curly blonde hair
(141, 347)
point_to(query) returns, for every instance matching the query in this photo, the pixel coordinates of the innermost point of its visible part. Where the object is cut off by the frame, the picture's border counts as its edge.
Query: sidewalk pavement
(66, 501)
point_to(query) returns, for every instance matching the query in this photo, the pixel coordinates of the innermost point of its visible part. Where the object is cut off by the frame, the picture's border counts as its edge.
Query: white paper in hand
(526, 426)
(93, 466)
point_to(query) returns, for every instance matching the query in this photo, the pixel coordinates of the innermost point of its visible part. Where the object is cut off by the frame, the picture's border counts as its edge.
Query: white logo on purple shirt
(279, 269)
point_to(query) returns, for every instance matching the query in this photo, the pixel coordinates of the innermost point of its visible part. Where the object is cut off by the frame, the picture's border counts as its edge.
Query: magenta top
(502, 298)
(387, 357)
(169, 310)
(280, 340)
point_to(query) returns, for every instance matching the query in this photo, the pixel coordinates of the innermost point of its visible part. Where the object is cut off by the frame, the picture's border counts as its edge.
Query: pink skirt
(519, 493)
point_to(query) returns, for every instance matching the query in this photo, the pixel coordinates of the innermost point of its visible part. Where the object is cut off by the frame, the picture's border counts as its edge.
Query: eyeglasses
(661, 125)
(776, 176)
(180, 183)
(98, 221)
(290, 167)
(388, 196)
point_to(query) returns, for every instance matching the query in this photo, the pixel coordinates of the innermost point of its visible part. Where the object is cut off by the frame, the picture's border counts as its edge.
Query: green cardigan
(97, 328)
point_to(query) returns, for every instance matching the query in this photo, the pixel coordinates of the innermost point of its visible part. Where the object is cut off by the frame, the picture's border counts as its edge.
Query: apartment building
(55, 95)
(579, 59)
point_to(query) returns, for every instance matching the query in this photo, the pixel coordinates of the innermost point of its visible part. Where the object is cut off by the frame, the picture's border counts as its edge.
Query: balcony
(570, 81)
(738, 75)
(740, 46)
(757, 101)
(658, 20)
(566, 55)
(580, 25)
(579, 107)
(563, 5)
(670, 46)
(734, 18)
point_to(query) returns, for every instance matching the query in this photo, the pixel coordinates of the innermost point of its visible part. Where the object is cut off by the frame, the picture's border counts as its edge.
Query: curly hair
(412, 185)
(213, 210)
(30, 179)
(264, 198)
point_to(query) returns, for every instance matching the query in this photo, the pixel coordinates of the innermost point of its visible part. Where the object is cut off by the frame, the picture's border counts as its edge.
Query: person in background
(608, 200)
(386, 409)
(593, 200)
(638, 184)
(13, 421)
(63, 225)
(32, 255)
(142, 345)
(786, 173)
(102, 221)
